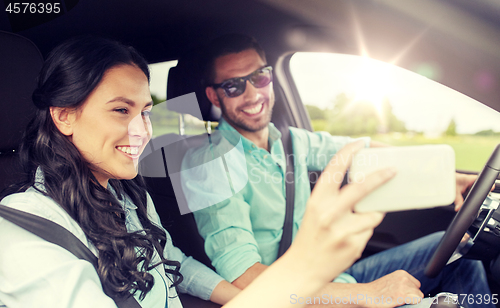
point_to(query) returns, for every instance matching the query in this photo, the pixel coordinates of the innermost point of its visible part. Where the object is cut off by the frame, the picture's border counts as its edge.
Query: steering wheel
(466, 216)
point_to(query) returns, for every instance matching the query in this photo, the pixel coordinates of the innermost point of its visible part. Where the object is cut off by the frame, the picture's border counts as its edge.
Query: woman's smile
(112, 127)
(131, 151)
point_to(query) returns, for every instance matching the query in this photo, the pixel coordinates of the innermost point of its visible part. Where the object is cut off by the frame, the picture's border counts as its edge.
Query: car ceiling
(460, 38)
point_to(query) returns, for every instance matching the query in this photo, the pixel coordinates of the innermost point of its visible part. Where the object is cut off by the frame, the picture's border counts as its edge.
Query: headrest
(20, 63)
(184, 79)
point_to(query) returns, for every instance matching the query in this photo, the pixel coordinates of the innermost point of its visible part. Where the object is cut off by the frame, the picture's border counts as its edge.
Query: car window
(358, 96)
(222, 166)
(165, 121)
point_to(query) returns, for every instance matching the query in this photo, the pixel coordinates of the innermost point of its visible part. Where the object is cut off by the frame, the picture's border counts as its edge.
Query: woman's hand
(332, 236)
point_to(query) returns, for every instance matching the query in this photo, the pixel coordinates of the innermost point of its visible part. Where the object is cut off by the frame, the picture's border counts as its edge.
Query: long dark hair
(70, 73)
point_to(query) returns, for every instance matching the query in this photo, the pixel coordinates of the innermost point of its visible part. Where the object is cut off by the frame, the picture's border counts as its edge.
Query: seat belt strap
(56, 234)
(286, 238)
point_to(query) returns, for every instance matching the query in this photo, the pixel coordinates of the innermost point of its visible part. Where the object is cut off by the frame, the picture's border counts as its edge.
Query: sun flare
(372, 83)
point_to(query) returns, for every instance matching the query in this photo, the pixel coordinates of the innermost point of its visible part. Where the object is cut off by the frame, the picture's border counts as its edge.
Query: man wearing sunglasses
(242, 233)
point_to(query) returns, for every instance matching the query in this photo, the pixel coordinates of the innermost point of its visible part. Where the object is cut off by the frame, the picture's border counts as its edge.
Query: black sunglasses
(236, 86)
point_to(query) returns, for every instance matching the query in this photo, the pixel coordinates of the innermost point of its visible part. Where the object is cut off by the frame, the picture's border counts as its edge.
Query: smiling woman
(80, 154)
(112, 126)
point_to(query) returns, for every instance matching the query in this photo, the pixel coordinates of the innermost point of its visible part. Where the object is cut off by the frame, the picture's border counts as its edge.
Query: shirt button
(265, 156)
(253, 146)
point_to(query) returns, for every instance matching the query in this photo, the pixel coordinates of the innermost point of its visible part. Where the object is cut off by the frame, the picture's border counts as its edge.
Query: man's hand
(393, 290)
(464, 183)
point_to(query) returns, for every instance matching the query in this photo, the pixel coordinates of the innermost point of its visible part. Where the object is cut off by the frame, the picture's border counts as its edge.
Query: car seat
(161, 163)
(20, 63)
(161, 160)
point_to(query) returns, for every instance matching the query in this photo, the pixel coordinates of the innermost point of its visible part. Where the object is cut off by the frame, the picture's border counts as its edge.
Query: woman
(80, 154)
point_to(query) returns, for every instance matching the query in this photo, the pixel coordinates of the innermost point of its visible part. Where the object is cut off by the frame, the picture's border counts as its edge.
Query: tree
(315, 113)
(392, 123)
(487, 132)
(452, 128)
(361, 118)
(156, 100)
(160, 115)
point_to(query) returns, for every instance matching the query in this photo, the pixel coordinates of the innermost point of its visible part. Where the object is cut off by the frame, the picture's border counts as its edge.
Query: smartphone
(425, 177)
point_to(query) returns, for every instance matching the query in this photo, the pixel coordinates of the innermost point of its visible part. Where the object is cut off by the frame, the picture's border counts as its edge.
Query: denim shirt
(36, 273)
(237, 193)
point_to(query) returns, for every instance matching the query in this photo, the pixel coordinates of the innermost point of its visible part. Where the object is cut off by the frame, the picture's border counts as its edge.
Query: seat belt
(286, 238)
(56, 234)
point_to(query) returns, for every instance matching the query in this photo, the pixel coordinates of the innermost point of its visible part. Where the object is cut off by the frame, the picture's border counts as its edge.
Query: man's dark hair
(224, 45)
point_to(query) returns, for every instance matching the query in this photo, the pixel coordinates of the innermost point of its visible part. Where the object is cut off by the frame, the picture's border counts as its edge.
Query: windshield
(358, 96)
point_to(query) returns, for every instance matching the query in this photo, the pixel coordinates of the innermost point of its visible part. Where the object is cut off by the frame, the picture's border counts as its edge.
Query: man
(242, 232)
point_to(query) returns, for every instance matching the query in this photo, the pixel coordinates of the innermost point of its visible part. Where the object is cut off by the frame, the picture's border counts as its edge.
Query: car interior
(463, 37)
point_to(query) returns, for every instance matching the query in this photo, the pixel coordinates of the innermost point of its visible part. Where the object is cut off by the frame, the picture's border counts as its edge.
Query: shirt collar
(125, 201)
(39, 180)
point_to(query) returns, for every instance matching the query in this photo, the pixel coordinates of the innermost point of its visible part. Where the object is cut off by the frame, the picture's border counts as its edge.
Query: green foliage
(393, 124)
(349, 117)
(359, 118)
(452, 128)
(156, 100)
(315, 113)
(488, 132)
(162, 119)
(319, 125)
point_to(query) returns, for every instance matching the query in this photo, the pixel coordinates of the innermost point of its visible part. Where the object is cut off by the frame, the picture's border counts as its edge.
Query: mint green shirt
(237, 193)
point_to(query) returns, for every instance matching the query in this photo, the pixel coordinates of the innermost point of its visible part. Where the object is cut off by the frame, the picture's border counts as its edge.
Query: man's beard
(235, 122)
